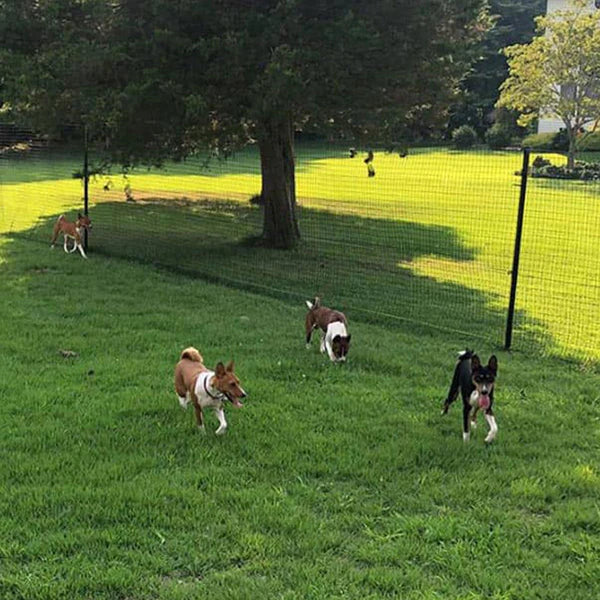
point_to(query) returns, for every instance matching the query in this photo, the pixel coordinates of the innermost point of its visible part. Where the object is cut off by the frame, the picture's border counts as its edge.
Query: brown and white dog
(71, 230)
(206, 388)
(335, 339)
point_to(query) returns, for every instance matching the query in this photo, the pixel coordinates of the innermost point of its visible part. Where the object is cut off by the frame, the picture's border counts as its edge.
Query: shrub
(256, 200)
(464, 137)
(590, 142)
(583, 171)
(538, 141)
(560, 141)
(555, 141)
(539, 162)
(498, 136)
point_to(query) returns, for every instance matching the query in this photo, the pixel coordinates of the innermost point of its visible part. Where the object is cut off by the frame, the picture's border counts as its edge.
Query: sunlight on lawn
(475, 194)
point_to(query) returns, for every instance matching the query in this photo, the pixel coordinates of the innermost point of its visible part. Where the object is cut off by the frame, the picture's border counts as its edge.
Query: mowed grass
(429, 240)
(332, 482)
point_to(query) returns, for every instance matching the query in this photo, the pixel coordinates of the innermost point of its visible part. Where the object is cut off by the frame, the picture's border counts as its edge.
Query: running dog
(335, 339)
(205, 388)
(476, 385)
(71, 230)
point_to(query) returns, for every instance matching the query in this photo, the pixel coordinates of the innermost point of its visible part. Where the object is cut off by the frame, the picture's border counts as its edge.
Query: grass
(332, 482)
(429, 238)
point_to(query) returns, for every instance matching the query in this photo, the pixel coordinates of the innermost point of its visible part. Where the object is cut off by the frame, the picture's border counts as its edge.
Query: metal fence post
(86, 179)
(517, 251)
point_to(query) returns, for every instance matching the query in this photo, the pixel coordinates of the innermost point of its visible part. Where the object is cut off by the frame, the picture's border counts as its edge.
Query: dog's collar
(219, 395)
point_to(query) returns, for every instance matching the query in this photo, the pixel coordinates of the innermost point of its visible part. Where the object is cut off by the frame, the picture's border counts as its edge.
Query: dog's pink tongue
(484, 401)
(237, 403)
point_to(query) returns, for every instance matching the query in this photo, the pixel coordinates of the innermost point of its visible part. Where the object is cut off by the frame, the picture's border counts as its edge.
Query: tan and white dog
(72, 231)
(205, 388)
(335, 339)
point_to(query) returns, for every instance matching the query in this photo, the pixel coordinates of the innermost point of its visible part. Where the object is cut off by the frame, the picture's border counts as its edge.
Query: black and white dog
(476, 385)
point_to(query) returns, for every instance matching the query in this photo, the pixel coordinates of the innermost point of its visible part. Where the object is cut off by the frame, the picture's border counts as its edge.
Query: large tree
(155, 79)
(558, 73)
(513, 23)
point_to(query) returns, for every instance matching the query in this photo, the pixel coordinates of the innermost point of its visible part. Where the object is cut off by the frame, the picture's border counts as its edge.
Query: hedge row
(558, 141)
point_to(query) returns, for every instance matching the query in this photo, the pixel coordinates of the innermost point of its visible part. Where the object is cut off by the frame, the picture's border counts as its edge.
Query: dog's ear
(493, 364)
(229, 367)
(349, 337)
(220, 370)
(475, 363)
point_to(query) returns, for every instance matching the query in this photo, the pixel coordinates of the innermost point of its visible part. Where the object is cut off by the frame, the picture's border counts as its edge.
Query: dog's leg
(489, 417)
(329, 350)
(322, 347)
(199, 418)
(308, 337)
(309, 325)
(184, 401)
(474, 418)
(326, 345)
(77, 245)
(55, 233)
(466, 412)
(66, 249)
(222, 422)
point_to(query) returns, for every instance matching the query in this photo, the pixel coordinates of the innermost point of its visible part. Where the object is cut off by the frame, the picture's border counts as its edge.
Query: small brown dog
(335, 339)
(205, 388)
(71, 230)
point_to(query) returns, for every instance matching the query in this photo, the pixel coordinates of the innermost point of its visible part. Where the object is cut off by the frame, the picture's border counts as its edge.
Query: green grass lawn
(332, 482)
(429, 240)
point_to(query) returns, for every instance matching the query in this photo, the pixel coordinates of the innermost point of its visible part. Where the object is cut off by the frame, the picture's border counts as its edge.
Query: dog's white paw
(493, 428)
(221, 431)
(182, 402)
(308, 346)
(202, 429)
(473, 424)
(466, 437)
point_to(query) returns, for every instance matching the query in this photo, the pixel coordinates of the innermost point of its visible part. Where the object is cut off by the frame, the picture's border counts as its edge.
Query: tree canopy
(154, 79)
(513, 23)
(558, 73)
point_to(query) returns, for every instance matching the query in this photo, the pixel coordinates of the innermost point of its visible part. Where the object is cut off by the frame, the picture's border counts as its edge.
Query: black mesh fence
(427, 240)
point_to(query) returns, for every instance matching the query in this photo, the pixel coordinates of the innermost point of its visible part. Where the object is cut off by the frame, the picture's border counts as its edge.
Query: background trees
(513, 24)
(154, 79)
(558, 73)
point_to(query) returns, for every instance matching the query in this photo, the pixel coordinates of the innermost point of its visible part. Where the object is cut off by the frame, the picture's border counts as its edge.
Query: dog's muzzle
(234, 400)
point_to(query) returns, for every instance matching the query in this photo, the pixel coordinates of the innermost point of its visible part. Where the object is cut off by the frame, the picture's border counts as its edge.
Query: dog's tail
(455, 383)
(191, 354)
(314, 304)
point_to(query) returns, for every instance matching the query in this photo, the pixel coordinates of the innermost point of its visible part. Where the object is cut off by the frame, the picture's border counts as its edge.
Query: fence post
(86, 179)
(517, 252)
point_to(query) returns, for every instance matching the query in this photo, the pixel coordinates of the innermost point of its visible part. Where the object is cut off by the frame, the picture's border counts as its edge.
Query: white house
(547, 125)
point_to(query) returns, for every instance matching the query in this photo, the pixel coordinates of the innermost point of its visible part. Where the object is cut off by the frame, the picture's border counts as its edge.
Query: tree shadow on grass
(360, 265)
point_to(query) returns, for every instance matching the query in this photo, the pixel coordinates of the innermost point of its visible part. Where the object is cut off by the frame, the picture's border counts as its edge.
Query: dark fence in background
(428, 240)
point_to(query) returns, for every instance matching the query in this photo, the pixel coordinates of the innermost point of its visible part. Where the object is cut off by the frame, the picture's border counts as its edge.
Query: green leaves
(554, 74)
(157, 79)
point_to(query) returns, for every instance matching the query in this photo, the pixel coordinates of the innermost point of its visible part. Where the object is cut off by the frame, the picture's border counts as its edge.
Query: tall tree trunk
(276, 144)
(572, 134)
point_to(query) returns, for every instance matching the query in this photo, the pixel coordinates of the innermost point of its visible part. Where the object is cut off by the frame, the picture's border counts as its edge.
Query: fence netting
(426, 241)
